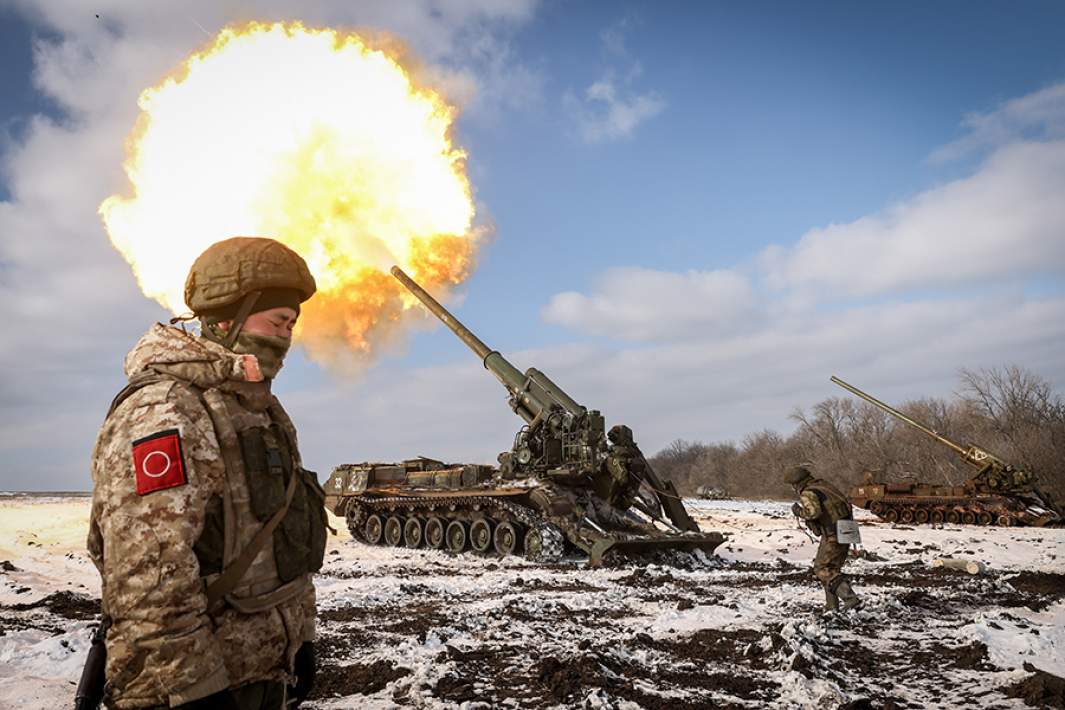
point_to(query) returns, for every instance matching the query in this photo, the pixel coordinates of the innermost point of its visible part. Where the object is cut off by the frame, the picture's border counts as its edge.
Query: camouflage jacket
(625, 469)
(169, 511)
(823, 506)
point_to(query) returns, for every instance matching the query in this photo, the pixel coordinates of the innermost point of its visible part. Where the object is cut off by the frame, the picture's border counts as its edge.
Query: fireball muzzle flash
(316, 139)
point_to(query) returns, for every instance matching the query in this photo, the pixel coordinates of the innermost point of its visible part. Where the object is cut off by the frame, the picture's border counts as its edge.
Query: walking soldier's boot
(831, 600)
(847, 596)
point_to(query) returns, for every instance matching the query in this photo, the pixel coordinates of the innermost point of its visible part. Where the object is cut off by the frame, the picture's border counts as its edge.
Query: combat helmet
(796, 475)
(234, 276)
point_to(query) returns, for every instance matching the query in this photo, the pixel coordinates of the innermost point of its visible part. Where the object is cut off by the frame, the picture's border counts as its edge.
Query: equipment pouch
(318, 520)
(265, 469)
(299, 542)
(847, 532)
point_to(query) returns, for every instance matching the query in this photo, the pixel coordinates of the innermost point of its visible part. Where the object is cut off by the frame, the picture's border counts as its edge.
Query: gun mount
(998, 493)
(565, 481)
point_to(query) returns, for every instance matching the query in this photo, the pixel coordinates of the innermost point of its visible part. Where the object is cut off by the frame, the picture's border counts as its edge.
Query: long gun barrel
(530, 393)
(899, 415)
(993, 472)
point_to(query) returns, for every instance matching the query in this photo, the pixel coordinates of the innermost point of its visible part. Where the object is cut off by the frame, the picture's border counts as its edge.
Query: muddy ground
(416, 628)
(573, 643)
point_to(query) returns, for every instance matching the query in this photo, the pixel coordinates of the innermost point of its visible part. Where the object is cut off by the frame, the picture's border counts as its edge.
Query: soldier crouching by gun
(823, 508)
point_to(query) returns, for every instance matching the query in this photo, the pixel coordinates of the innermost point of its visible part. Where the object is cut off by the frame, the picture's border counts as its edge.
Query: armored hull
(921, 503)
(473, 508)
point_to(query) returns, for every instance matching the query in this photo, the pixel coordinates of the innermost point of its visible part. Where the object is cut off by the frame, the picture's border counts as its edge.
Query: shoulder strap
(824, 488)
(138, 381)
(231, 575)
(831, 495)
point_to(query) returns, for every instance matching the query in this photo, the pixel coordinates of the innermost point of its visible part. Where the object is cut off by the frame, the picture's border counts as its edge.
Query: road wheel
(952, 517)
(876, 508)
(373, 529)
(506, 538)
(968, 517)
(985, 518)
(1005, 521)
(412, 533)
(434, 533)
(921, 516)
(456, 536)
(891, 515)
(481, 534)
(938, 517)
(906, 516)
(394, 531)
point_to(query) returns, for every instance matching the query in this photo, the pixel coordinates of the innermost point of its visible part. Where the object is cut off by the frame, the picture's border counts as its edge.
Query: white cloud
(1039, 115)
(609, 112)
(611, 108)
(614, 38)
(1005, 221)
(643, 304)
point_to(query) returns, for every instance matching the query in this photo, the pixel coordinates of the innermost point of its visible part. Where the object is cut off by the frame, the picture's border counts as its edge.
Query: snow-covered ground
(426, 629)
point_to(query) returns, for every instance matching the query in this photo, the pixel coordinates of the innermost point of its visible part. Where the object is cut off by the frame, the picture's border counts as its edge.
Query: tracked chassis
(920, 503)
(470, 508)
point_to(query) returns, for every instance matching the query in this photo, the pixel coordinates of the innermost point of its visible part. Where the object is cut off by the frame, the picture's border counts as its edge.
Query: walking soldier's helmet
(796, 475)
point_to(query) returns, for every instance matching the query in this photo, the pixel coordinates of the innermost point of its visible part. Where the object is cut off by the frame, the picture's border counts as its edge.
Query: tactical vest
(258, 443)
(834, 507)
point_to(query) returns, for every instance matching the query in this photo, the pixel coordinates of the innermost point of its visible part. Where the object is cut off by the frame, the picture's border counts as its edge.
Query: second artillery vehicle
(565, 483)
(998, 494)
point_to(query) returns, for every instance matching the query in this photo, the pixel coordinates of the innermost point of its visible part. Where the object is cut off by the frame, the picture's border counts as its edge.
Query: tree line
(1010, 411)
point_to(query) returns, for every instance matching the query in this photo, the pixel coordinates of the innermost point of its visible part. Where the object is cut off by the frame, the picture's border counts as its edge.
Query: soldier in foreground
(821, 506)
(205, 527)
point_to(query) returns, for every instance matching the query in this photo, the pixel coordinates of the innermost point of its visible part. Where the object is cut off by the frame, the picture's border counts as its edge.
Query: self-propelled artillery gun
(565, 483)
(997, 494)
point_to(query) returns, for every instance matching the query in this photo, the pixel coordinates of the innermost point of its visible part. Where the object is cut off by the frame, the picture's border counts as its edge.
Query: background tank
(997, 494)
(565, 482)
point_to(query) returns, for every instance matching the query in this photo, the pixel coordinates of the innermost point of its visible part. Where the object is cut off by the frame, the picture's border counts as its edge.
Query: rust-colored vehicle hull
(919, 503)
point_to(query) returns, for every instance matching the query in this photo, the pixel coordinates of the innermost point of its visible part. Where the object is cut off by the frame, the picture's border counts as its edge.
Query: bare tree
(1022, 416)
(1010, 411)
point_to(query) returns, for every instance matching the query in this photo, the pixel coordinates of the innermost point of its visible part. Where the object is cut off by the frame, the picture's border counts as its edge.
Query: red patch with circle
(158, 463)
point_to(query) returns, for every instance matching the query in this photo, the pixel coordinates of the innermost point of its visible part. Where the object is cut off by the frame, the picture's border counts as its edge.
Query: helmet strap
(243, 312)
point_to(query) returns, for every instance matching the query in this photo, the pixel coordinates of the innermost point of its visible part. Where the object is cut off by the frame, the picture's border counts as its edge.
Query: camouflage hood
(177, 353)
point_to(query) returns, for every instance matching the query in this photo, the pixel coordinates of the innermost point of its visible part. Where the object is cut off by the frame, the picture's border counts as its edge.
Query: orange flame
(314, 138)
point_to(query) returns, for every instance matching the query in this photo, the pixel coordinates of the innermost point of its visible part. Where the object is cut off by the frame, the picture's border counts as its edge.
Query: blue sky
(763, 194)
